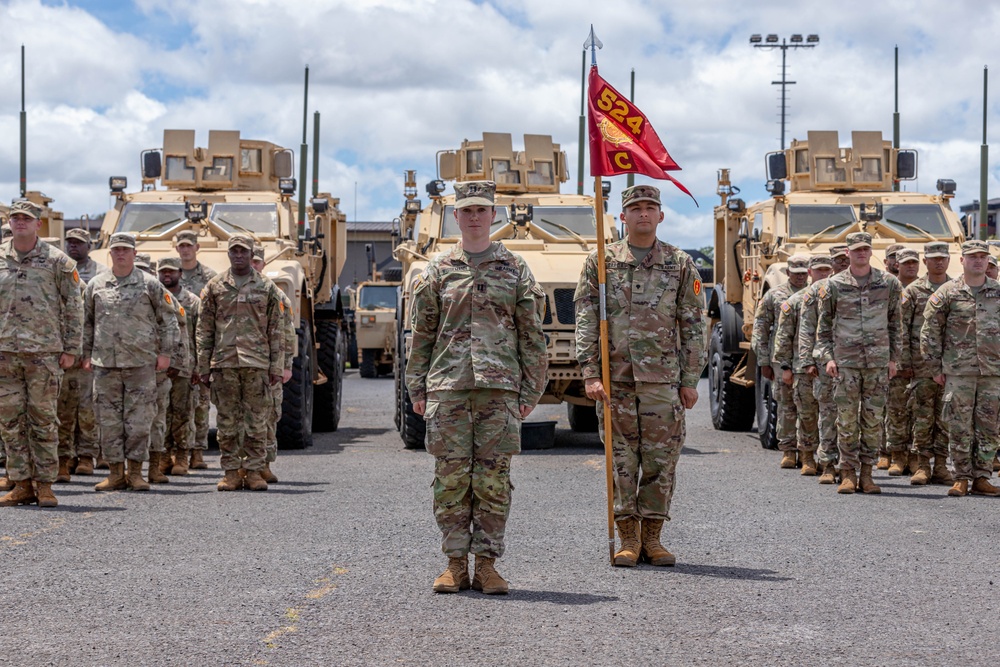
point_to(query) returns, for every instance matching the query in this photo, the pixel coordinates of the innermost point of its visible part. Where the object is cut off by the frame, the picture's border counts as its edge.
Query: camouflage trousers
(125, 404)
(647, 434)
(180, 414)
(202, 409)
(78, 432)
(472, 435)
(784, 398)
(898, 422)
(930, 429)
(158, 429)
(29, 423)
(971, 406)
(277, 396)
(808, 412)
(823, 391)
(242, 397)
(860, 395)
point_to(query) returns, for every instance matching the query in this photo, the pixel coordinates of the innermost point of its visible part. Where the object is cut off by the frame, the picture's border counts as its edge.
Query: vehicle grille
(565, 311)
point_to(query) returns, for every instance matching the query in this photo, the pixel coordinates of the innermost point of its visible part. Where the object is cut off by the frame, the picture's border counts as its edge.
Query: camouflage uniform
(762, 342)
(960, 338)
(290, 349)
(40, 319)
(239, 342)
(786, 355)
(180, 359)
(194, 280)
(477, 355)
(859, 329)
(128, 322)
(89, 269)
(180, 409)
(656, 341)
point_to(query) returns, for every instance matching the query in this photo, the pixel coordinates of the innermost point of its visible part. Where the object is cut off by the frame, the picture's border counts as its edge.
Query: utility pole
(895, 118)
(771, 42)
(984, 174)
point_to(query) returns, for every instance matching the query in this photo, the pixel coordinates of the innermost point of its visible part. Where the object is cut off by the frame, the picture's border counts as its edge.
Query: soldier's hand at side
(831, 369)
(86, 365)
(66, 360)
(906, 373)
(162, 362)
(892, 369)
(786, 376)
(812, 371)
(172, 373)
(286, 375)
(767, 372)
(526, 410)
(939, 379)
(273, 379)
(419, 407)
(594, 389)
(689, 396)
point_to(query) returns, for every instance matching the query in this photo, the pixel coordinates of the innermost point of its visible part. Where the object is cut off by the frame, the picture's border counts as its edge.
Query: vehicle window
(157, 217)
(376, 296)
(261, 219)
(806, 220)
(903, 218)
(178, 170)
(578, 218)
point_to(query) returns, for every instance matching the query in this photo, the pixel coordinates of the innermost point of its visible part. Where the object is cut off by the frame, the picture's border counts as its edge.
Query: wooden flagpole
(602, 277)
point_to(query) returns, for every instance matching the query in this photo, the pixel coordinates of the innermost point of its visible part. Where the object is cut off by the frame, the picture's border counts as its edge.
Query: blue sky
(398, 80)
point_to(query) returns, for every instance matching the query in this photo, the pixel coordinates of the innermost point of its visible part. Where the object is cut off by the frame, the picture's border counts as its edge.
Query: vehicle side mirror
(777, 168)
(152, 165)
(906, 165)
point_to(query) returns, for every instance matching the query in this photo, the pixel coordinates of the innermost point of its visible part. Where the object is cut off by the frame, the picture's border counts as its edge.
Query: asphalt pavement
(334, 564)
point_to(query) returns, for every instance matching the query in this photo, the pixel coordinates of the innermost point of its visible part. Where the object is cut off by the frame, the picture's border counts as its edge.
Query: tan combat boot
(899, 462)
(63, 475)
(883, 463)
(923, 473)
(43, 490)
(829, 475)
(164, 462)
(180, 462)
(787, 459)
(197, 462)
(653, 551)
(254, 481)
(5, 483)
(808, 464)
(628, 535)
(155, 473)
(101, 464)
(996, 463)
(867, 483)
(959, 488)
(231, 481)
(848, 483)
(134, 479)
(982, 487)
(940, 474)
(23, 494)
(85, 465)
(455, 578)
(268, 476)
(487, 579)
(116, 479)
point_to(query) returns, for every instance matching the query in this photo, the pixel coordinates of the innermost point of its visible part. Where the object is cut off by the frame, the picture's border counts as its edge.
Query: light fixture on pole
(772, 41)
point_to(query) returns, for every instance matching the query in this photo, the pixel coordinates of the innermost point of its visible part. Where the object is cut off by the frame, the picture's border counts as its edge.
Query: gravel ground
(333, 566)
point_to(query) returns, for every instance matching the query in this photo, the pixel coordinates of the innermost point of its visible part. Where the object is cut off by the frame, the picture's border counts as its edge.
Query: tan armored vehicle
(375, 322)
(239, 185)
(832, 191)
(553, 232)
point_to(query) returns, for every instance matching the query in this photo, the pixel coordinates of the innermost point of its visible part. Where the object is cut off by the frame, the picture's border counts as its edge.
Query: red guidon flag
(621, 139)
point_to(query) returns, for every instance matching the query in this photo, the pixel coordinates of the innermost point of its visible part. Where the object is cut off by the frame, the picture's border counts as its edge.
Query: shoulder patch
(204, 292)
(822, 291)
(281, 305)
(166, 296)
(785, 307)
(182, 312)
(935, 299)
(697, 287)
(904, 298)
(76, 276)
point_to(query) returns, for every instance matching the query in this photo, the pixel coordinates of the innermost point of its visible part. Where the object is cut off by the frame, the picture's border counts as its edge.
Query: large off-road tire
(582, 418)
(767, 412)
(732, 406)
(412, 428)
(329, 395)
(368, 363)
(295, 426)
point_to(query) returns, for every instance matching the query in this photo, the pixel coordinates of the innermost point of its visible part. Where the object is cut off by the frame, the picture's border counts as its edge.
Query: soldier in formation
(898, 421)
(762, 342)
(657, 351)
(476, 369)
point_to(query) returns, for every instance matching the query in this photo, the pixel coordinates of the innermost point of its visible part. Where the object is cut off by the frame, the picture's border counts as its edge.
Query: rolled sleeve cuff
(690, 380)
(591, 371)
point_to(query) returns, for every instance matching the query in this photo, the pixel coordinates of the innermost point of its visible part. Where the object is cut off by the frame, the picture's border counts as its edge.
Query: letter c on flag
(622, 160)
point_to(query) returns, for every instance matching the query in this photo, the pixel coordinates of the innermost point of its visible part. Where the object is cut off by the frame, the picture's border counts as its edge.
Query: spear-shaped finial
(593, 44)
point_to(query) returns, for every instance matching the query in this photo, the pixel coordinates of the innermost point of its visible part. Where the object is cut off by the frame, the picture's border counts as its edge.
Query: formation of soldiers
(111, 367)
(886, 369)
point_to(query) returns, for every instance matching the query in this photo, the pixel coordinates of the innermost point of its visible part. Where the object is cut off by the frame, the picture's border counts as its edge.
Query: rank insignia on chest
(242, 298)
(637, 288)
(481, 287)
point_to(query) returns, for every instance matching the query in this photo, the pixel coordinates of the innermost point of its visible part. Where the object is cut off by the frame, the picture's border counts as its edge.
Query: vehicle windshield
(810, 219)
(579, 219)
(159, 217)
(261, 219)
(376, 296)
(916, 220)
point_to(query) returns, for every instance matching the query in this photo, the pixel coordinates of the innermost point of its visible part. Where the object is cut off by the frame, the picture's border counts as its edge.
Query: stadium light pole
(796, 41)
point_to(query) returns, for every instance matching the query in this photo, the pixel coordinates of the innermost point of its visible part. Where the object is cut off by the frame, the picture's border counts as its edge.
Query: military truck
(240, 185)
(832, 191)
(553, 232)
(375, 324)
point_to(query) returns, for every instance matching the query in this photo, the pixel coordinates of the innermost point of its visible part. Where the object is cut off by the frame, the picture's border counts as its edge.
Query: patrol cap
(474, 193)
(170, 264)
(638, 193)
(907, 255)
(857, 240)
(186, 236)
(936, 249)
(25, 207)
(79, 233)
(838, 251)
(893, 250)
(242, 241)
(142, 260)
(122, 240)
(820, 261)
(973, 246)
(258, 251)
(798, 264)
(993, 261)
